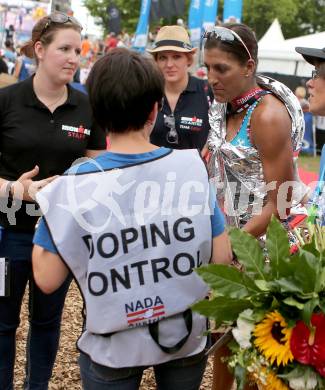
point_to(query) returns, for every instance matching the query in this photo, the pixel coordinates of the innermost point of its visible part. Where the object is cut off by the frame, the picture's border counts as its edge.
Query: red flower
(308, 347)
(293, 249)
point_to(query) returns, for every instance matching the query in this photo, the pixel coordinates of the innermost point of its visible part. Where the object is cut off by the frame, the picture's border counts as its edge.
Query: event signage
(232, 11)
(141, 34)
(195, 21)
(209, 14)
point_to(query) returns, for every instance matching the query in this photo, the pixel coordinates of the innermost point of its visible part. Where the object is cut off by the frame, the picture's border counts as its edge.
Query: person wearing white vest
(130, 226)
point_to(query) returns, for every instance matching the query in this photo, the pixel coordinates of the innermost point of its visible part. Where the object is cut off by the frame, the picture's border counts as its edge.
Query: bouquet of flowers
(275, 309)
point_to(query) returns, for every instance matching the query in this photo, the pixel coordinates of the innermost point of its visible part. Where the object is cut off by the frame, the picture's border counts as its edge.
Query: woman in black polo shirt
(183, 122)
(44, 126)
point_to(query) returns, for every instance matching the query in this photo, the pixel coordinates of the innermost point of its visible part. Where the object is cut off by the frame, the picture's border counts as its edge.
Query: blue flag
(141, 34)
(209, 14)
(195, 21)
(232, 11)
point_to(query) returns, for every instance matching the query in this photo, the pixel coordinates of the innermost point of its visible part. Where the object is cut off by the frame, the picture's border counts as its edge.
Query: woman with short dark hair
(140, 225)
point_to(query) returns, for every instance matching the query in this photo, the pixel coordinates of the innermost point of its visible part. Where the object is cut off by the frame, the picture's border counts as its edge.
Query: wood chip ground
(66, 371)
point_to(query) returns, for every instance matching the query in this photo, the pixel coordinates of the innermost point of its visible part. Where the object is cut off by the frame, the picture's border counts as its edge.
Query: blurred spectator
(85, 47)
(10, 56)
(201, 73)
(24, 68)
(5, 78)
(111, 42)
(9, 52)
(98, 50)
(300, 93)
(126, 38)
(308, 142)
(120, 42)
(10, 33)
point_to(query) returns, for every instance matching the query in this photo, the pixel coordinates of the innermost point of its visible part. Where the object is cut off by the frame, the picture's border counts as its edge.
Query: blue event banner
(210, 8)
(232, 11)
(141, 34)
(195, 21)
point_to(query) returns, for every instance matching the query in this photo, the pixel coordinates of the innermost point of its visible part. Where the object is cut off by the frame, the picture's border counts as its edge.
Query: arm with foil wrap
(271, 135)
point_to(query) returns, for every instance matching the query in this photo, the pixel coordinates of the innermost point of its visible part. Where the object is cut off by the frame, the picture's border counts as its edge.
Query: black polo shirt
(31, 135)
(191, 117)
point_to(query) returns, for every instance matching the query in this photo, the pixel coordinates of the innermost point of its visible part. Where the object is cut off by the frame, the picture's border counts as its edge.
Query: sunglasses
(225, 35)
(60, 18)
(172, 135)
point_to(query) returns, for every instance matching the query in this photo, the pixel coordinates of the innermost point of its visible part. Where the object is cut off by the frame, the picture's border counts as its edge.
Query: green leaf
(305, 276)
(222, 309)
(249, 253)
(240, 375)
(227, 281)
(290, 301)
(297, 372)
(263, 285)
(277, 245)
(307, 271)
(286, 285)
(322, 279)
(311, 247)
(308, 310)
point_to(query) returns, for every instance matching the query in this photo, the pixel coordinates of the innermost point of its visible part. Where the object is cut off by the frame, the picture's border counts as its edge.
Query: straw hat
(173, 38)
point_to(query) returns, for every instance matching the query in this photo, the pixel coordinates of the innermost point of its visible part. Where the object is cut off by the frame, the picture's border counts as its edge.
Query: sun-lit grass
(309, 163)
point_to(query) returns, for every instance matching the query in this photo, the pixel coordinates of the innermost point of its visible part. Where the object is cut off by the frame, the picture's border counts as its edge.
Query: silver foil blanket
(236, 171)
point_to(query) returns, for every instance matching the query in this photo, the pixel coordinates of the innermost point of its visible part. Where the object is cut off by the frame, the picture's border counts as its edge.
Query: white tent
(278, 55)
(272, 35)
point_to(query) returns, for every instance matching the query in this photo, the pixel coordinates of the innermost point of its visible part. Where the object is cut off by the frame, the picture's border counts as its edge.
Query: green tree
(310, 19)
(297, 17)
(259, 14)
(130, 11)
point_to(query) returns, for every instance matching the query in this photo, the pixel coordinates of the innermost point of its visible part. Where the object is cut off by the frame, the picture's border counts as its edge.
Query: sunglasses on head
(60, 18)
(172, 135)
(225, 35)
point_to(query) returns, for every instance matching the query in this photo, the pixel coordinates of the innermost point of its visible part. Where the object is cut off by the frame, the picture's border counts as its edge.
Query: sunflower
(266, 379)
(272, 338)
(273, 383)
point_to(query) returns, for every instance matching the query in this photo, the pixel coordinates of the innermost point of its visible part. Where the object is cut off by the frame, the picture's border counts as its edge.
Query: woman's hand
(25, 188)
(205, 153)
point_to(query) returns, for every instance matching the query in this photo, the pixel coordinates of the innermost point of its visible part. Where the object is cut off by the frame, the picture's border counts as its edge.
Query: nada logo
(147, 310)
